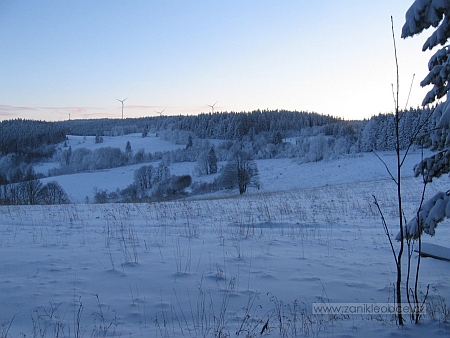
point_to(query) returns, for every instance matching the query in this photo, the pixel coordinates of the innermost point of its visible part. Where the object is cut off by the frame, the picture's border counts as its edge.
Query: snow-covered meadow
(276, 174)
(221, 266)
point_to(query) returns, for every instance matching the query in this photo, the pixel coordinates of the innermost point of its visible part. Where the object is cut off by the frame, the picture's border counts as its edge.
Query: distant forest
(225, 126)
(36, 138)
(31, 138)
(261, 134)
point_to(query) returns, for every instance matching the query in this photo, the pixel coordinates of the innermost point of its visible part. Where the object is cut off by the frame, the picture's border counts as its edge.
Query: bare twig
(399, 192)
(409, 93)
(385, 227)
(386, 166)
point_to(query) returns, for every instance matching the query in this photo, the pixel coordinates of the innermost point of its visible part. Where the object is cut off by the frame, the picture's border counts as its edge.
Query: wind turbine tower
(68, 114)
(212, 107)
(122, 101)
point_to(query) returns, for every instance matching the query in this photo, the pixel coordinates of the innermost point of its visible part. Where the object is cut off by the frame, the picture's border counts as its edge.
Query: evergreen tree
(98, 138)
(189, 142)
(277, 138)
(66, 155)
(145, 132)
(212, 161)
(420, 16)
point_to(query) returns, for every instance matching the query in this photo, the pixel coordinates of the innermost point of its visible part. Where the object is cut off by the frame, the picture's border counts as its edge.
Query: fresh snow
(434, 251)
(218, 266)
(274, 174)
(151, 144)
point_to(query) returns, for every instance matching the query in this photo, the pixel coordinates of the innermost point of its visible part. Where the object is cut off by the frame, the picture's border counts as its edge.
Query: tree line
(37, 139)
(219, 125)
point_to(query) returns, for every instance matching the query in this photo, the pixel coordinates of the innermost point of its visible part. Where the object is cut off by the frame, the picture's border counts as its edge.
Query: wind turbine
(68, 114)
(212, 106)
(122, 104)
(160, 112)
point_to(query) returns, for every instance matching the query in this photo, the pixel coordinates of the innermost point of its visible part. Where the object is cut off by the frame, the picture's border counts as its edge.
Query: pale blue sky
(331, 57)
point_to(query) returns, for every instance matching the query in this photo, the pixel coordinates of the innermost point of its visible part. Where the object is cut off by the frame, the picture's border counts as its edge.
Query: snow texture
(216, 267)
(426, 13)
(435, 251)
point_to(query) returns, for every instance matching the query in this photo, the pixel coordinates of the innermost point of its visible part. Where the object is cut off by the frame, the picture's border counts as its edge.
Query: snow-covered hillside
(275, 174)
(245, 265)
(152, 143)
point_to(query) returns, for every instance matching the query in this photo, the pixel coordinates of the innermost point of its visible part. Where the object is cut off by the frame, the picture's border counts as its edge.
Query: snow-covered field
(242, 266)
(276, 174)
(149, 144)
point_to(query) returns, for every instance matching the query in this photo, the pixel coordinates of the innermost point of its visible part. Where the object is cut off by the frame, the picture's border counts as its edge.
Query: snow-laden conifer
(422, 15)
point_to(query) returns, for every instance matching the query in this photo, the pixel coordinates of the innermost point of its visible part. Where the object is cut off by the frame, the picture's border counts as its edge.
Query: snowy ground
(275, 174)
(217, 267)
(150, 144)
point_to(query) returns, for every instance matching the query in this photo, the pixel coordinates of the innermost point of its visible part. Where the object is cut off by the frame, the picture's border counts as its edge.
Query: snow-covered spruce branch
(422, 15)
(433, 166)
(430, 215)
